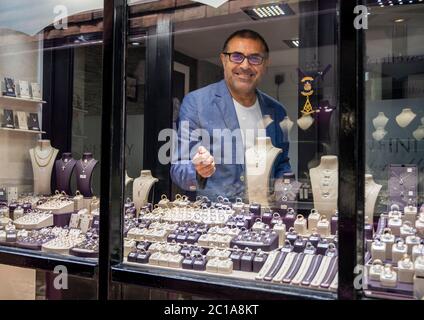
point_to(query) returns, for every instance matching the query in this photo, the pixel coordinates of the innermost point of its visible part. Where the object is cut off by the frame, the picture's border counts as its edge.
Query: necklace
(37, 157)
(328, 180)
(87, 164)
(65, 164)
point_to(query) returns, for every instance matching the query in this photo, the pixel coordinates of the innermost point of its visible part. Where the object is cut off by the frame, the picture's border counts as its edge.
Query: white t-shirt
(250, 121)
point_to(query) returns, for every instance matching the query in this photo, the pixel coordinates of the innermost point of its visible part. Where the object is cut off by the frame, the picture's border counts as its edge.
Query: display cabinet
(268, 226)
(393, 152)
(50, 169)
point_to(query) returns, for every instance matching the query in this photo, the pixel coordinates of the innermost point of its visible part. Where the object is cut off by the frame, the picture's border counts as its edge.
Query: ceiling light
(399, 20)
(270, 10)
(293, 43)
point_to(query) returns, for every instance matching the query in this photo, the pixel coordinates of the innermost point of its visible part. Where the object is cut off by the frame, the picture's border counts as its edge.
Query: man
(235, 106)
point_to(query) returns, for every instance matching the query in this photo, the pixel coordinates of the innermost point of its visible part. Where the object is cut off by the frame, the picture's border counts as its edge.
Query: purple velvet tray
(84, 254)
(404, 289)
(62, 220)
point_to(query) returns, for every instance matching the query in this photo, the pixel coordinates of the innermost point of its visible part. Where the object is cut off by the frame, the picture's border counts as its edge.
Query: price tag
(1, 193)
(83, 176)
(411, 193)
(410, 170)
(287, 181)
(284, 207)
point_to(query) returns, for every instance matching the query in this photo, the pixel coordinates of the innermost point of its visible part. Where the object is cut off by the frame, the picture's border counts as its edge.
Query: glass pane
(50, 108)
(394, 150)
(231, 150)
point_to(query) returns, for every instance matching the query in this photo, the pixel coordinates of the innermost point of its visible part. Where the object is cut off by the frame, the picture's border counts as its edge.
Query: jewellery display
(142, 187)
(22, 120)
(403, 185)
(286, 125)
(405, 118)
(399, 250)
(33, 122)
(259, 164)
(64, 169)
(388, 277)
(24, 89)
(8, 119)
(406, 270)
(375, 270)
(34, 220)
(9, 87)
(42, 158)
(380, 121)
(324, 179)
(35, 91)
(84, 171)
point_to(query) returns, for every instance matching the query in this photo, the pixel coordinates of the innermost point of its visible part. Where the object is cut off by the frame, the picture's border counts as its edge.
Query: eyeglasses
(237, 57)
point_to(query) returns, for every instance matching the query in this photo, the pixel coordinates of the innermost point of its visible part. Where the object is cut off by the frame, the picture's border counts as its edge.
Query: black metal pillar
(113, 141)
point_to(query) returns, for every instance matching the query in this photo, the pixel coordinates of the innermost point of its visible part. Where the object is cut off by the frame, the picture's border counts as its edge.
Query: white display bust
(419, 133)
(305, 122)
(286, 125)
(128, 179)
(405, 118)
(379, 134)
(380, 121)
(43, 157)
(259, 163)
(141, 188)
(372, 190)
(325, 183)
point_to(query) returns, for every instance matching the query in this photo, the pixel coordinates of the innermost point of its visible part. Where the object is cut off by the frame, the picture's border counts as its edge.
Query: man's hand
(204, 163)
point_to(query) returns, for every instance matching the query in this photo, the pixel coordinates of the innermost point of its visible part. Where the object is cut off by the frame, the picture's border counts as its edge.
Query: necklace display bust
(286, 125)
(84, 172)
(141, 188)
(259, 163)
(42, 160)
(405, 118)
(64, 168)
(380, 121)
(325, 182)
(305, 122)
(372, 190)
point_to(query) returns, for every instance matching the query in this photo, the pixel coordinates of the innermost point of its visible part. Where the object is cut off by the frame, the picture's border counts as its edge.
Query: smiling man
(237, 108)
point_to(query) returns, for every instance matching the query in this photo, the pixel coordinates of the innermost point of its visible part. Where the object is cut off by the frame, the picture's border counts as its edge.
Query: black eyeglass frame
(246, 57)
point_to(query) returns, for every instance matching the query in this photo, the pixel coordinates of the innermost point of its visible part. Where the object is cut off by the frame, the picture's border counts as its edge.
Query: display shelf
(214, 286)
(23, 131)
(25, 258)
(22, 99)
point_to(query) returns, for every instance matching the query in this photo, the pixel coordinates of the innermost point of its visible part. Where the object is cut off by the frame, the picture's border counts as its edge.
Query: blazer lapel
(225, 104)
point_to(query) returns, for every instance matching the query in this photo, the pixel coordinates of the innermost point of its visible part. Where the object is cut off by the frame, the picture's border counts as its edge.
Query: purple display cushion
(30, 246)
(62, 219)
(405, 289)
(312, 271)
(84, 253)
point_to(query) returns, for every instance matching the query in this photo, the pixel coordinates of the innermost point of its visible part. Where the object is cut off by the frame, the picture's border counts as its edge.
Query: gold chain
(49, 157)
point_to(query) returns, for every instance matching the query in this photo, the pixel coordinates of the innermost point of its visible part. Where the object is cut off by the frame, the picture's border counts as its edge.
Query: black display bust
(64, 168)
(84, 172)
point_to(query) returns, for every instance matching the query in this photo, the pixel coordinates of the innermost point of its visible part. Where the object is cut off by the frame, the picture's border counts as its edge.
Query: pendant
(63, 168)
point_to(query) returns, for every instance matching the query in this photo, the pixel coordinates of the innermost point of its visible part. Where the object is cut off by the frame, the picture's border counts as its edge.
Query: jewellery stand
(141, 188)
(405, 118)
(42, 160)
(84, 172)
(372, 190)
(64, 169)
(259, 163)
(324, 180)
(403, 182)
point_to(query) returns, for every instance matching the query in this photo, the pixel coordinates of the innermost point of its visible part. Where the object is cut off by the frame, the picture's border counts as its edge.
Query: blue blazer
(212, 108)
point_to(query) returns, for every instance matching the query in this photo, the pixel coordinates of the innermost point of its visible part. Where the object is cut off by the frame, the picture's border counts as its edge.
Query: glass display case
(231, 147)
(50, 139)
(394, 149)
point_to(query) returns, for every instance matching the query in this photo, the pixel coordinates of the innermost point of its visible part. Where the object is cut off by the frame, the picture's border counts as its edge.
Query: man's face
(244, 78)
